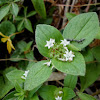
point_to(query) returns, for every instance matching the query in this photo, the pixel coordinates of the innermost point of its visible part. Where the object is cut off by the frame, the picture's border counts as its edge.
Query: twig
(72, 5)
(16, 33)
(91, 62)
(95, 1)
(17, 59)
(87, 8)
(96, 93)
(63, 26)
(59, 82)
(78, 5)
(65, 11)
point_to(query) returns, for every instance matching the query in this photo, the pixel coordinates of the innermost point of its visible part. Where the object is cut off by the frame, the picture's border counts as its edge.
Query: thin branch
(72, 5)
(16, 33)
(18, 59)
(96, 93)
(77, 6)
(59, 82)
(91, 62)
(87, 8)
(65, 11)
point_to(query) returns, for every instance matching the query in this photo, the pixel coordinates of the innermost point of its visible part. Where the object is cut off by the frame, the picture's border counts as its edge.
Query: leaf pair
(24, 21)
(49, 92)
(6, 8)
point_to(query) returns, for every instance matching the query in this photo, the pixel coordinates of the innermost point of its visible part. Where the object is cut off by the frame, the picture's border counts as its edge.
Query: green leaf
(25, 11)
(4, 10)
(75, 67)
(40, 7)
(98, 34)
(88, 55)
(84, 96)
(28, 25)
(70, 81)
(96, 53)
(20, 25)
(18, 18)
(7, 28)
(84, 26)
(38, 74)
(3, 2)
(72, 47)
(70, 16)
(28, 46)
(22, 45)
(14, 76)
(68, 94)
(18, 87)
(92, 73)
(47, 21)
(47, 92)
(16, 0)
(14, 9)
(44, 33)
(32, 92)
(21, 97)
(31, 13)
(5, 84)
(16, 56)
(29, 55)
(10, 96)
(35, 97)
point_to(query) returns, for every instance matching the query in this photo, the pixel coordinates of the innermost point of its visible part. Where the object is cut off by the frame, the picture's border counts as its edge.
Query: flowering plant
(61, 54)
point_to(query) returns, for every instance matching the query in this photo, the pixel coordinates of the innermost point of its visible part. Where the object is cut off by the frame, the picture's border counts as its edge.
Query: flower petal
(4, 39)
(9, 46)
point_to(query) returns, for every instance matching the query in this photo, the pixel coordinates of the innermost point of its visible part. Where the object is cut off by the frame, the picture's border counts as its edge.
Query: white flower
(62, 59)
(69, 55)
(65, 42)
(58, 98)
(25, 74)
(48, 63)
(50, 43)
(60, 92)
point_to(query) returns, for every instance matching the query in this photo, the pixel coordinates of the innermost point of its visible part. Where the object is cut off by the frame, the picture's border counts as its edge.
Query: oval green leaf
(70, 81)
(14, 9)
(38, 74)
(84, 96)
(28, 25)
(4, 10)
(7, 28)
(43, 34)
(39, 7)
(76, 67)
(84, 26)
(68, 93)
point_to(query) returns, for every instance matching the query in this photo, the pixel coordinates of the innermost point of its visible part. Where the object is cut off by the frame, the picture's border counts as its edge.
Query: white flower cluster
(25, 75)
(58, 97)
(67, 56)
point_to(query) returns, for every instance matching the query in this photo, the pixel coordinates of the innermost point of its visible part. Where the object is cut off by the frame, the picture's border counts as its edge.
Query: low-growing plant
(64, 53)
